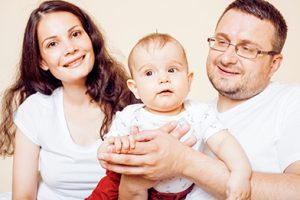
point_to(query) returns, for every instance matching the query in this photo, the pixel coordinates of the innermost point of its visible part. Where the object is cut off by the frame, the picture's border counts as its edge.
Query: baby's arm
(228, 149)
(121, 144)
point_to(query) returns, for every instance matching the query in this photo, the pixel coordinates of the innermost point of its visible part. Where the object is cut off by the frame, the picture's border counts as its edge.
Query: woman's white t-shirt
(68, 171)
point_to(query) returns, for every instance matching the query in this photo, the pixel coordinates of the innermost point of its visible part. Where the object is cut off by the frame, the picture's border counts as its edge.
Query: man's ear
(275, 64)
(132, 87)
(44, 66)
(190, 78)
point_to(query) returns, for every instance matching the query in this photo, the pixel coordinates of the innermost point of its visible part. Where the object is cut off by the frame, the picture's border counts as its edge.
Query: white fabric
(6, 196)
(68, 171)
(268, 128)
(199, 116)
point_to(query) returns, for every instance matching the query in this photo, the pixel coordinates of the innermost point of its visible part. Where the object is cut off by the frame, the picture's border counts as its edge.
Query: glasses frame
(258, 51)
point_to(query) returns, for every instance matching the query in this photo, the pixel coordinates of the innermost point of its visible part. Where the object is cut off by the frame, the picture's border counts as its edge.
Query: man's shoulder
(291, 89)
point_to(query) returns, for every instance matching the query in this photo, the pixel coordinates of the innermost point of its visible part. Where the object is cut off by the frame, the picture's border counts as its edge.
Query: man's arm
(212, 176)
(163, 156)
(277, 186)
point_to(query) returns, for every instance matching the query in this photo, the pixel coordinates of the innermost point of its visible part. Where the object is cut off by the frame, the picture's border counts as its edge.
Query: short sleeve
(208, 122)
(119, 126)
(289, 126)
(124, 120)
(26, 119)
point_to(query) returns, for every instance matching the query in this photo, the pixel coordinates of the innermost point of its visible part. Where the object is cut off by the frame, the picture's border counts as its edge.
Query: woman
(66, 94)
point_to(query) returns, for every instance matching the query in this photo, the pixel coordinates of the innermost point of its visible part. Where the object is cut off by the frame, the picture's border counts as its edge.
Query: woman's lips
(74, 63)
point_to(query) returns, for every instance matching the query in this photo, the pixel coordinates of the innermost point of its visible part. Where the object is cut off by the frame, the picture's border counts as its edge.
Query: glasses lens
(218, 45)
(246, 52)
(241, 50)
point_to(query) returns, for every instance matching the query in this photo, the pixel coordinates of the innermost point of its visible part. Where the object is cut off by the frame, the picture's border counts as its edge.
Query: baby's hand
(238, 187)
(121, 144)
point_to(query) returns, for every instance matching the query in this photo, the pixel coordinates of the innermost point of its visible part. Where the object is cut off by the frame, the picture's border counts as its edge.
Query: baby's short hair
(159, 39)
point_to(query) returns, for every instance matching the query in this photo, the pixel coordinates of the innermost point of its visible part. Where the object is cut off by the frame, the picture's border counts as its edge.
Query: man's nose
(229, 56)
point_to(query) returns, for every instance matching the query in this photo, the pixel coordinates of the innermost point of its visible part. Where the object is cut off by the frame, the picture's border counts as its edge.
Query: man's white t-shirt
(268, 128)
(68, 171)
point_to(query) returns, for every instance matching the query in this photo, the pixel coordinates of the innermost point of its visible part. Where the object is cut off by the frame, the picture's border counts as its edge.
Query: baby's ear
(132, 87)
(190, 78)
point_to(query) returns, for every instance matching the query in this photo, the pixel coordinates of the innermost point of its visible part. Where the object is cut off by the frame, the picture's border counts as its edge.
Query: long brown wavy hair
(106, 83)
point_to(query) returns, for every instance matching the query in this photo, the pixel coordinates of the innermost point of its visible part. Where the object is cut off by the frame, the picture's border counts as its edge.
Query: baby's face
(160, 77)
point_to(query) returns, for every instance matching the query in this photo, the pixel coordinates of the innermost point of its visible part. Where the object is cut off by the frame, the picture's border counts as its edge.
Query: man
(245, 52)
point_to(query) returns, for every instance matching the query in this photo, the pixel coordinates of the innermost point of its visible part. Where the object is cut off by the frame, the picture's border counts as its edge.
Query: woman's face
(65, 47)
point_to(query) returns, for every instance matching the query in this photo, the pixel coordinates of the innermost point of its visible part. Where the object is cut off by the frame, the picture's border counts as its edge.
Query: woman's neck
(76, 95)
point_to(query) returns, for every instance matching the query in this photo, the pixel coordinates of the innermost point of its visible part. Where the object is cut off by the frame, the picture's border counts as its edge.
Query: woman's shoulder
(39, 100)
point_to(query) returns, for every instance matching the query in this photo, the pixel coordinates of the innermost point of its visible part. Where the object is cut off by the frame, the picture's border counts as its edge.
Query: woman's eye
(51, 44)
(76, 33)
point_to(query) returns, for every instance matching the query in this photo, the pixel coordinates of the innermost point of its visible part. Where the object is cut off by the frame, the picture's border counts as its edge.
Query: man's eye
(222, 42)
(246, 48)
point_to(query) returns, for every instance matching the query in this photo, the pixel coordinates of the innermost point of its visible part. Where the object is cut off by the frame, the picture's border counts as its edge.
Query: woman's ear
(132, 87)
(44, 66)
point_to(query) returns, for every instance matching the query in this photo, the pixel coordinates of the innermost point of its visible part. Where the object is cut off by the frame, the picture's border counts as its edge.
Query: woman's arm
(25, 168)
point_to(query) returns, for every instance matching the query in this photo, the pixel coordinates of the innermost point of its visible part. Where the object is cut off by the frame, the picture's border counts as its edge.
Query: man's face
(236, 77)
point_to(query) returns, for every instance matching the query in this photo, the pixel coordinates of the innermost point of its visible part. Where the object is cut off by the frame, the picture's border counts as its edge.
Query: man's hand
(158, 154)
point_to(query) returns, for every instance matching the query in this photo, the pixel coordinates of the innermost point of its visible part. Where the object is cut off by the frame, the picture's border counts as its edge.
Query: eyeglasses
(240, 49)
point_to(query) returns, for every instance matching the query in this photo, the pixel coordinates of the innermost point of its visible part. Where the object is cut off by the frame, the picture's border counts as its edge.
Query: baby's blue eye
(172, 70)
(149, 73)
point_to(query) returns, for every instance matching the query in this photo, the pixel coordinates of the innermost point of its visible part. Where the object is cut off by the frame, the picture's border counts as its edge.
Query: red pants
(108, 189)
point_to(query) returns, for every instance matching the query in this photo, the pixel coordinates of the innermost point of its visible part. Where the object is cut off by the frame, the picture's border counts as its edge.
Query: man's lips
(226, 72)
(74, 62)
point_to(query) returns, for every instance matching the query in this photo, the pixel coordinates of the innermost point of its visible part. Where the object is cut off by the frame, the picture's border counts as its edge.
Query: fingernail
(101, 156)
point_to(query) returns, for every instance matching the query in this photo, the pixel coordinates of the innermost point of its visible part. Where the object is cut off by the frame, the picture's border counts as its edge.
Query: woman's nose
(70, 48)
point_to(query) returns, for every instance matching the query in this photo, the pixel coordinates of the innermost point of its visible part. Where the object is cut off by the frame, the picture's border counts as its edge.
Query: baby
(161, 79)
